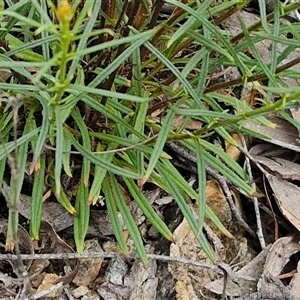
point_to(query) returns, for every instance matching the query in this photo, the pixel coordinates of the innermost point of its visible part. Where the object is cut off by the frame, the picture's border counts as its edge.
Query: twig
(255, 200)
(68, 293)
(233, 207)
(276, 230)
(92, 255)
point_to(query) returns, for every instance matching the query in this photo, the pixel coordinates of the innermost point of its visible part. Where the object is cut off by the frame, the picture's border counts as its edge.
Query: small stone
(80, 291)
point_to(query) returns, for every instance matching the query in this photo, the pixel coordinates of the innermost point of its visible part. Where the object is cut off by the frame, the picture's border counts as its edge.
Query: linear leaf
(113, 215)
(128, 220)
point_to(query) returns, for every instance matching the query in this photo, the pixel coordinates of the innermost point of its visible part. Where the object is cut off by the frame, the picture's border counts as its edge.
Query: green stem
(65, 41)
(278, 105)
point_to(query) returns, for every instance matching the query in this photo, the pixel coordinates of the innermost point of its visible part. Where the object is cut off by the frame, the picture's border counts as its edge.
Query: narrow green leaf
(128, 220)
(160, 143)
(110, 115)
(86, 142)
(147, 209)
(62, 198)
(82, 43)
(44, 129)
(220, 153)
(27, 55)
(16, 183)
(59, 142)
(184, 208)
(190, 24)
(10, 146)
(37, 198)
(99, 175)
(214, 30)
(229, 174)
(183, 186)
(113, 215)
(259, 59)
(3, 140)
(81, 220)
(74, 89)
(66, 155)
(201, 185)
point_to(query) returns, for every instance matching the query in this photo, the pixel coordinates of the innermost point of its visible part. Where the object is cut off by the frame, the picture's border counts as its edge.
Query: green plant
(87, 77)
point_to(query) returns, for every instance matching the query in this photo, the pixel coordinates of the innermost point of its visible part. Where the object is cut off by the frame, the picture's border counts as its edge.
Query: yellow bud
(64, 12)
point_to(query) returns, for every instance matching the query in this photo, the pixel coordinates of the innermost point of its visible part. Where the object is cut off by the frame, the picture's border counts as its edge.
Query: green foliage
(86, 77)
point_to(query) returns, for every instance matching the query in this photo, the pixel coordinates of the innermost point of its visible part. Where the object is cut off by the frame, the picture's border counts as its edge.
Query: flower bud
(64, 12)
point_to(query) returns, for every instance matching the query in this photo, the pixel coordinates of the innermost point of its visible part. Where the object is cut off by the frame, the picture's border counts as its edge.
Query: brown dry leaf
(89, 268)
(280, 167)
(233, 151)
(48, 282)
(36, 269)
(216, 200)
(192, 124)
(271, 150)
(279, 255)
(287, 197)
(5, 75)
(181, 291)
(52, 243)
(284, 135)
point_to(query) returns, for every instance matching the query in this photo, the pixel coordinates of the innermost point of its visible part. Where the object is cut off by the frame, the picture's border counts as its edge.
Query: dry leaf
(89, 268)
(181, 291)
(49, 281)
(233, 151)
(287, 198)
(130, 284)
(52, 243)
(283, 168)
(296, 114)
(295, 282)
(237, 286)
(279, 255)
(216, 200)
(284, 135)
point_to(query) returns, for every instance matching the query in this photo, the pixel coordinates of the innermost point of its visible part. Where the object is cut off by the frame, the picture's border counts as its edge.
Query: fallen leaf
(52, 243)
(236, 286)
(295, 282)
(287, 197)
(89, 268)
(279, 255)
(284, 135)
